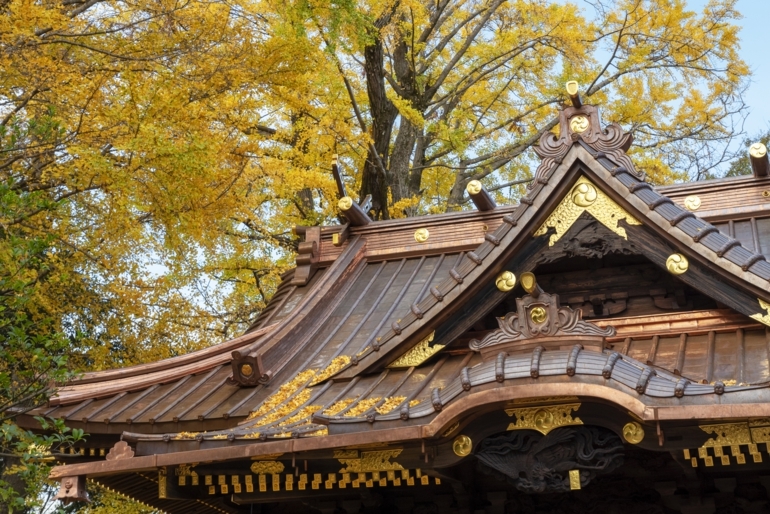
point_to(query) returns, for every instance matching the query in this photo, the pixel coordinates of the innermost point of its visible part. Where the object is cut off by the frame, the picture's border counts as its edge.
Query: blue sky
(754, 50)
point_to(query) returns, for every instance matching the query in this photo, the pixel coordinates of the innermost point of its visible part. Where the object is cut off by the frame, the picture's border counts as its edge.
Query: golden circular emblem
(506, 281)
(538, 315)
(692, 203)
(633, 432)
(462, 446)
(757, 150)
(677, 264)
(246, 370)
(345, 203)
(578, 124)
(544, 420)
(473, 187)
(421, 235)
(584, 195)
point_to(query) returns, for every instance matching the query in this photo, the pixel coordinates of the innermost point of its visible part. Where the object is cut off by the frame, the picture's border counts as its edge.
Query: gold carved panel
(418, 354)
(372, 461)
(763, 317)
(266, 467)
(727, 434)
(544, 419)
(585, 197)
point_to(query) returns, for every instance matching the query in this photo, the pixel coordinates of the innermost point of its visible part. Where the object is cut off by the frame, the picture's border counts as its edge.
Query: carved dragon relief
(543, 464)
(576, 123)
(540, 315)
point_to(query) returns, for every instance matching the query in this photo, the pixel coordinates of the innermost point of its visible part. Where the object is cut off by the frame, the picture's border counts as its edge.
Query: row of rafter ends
(263, 483)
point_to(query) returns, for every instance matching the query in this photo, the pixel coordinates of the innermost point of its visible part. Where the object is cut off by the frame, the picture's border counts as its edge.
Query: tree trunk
(457, 193)
(401, 159)
(374, 180)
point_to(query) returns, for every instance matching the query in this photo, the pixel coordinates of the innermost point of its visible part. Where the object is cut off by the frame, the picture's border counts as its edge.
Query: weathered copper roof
(327, 346)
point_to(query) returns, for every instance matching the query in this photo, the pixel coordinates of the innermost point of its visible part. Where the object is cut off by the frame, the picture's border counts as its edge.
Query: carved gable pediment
(540, 320)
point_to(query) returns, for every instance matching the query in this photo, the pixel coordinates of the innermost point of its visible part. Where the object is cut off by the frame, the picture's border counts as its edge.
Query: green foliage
(27, 459)
(742, 164)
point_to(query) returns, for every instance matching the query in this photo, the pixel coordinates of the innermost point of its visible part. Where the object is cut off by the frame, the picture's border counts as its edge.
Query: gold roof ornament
(372, 461)
(418, 354)
(579, 124)
(421, 235)
(544, 419)
(506, 281)
(266, 467)
(586, 197)
(758, 150)
(677, 264)
(692, 203)
(763, 317)
(462, 446)
(474, 187)
(345, 203)
(538, 315)
(633, 432)
(528, 281)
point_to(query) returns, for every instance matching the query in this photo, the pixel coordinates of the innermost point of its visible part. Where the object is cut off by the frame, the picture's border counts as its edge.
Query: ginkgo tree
(164, 149)
(457, 90)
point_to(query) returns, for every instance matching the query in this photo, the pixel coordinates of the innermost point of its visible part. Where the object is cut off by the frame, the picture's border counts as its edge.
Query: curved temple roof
(374, 337)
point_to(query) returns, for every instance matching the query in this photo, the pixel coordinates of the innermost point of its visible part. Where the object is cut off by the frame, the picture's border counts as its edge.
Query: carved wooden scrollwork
(121, 450)
(541, 464)
(537, 317)
(584, 124)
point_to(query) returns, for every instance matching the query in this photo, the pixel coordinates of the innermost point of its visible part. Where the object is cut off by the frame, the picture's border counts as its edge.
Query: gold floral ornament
(763, 317)
(757, 150)
(677, 264)
(692, 203)
(633, 432)
(586, 197)
(538, 315)
(421, 235)
(506, 281)
(462, 446)
(418, 354)
(578, 124)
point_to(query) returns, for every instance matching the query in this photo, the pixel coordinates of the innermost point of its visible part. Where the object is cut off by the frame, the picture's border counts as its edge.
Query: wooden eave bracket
(73, 489)
(308, 255)
(248, 370)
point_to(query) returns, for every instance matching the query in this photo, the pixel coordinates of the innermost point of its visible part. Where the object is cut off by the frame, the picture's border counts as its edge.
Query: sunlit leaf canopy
(180, 141)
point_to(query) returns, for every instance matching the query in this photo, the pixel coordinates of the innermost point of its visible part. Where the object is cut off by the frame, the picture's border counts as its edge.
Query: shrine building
(604, 346)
